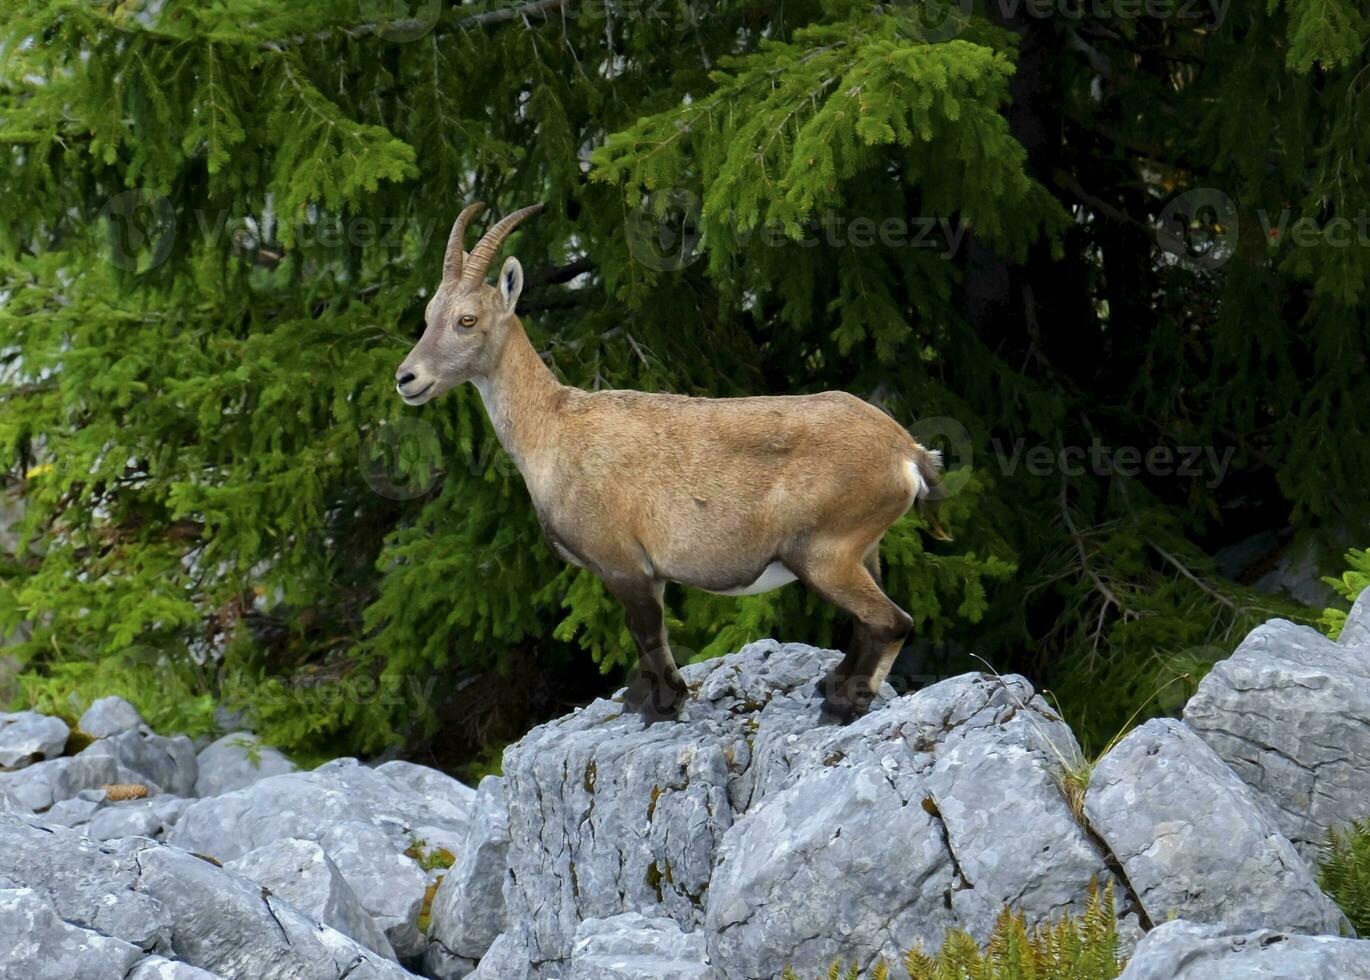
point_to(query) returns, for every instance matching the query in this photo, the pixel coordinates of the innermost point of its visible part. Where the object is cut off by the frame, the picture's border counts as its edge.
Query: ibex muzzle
(733, 496)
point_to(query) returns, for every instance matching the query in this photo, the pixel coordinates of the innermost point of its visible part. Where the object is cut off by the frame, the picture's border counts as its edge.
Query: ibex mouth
(417, 398)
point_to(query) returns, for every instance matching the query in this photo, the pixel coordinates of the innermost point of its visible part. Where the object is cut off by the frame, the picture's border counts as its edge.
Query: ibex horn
(456, 251)
(480, 257)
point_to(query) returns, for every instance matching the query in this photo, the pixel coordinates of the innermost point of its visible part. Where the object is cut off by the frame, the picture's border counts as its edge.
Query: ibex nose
(403, 377)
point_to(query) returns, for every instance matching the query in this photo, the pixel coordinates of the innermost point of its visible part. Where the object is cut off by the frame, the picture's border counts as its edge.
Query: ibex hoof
(655, 701)
(840, 708)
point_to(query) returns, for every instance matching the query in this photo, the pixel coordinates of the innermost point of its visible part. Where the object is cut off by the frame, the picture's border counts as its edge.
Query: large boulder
(1181, 950)
(1289, 712)
(302, 874)
(110, 716)
(468, 909)
(788, 841)
(1193, 841)
(27, 737)
(150, 900)
(364, 819)
(236, 761)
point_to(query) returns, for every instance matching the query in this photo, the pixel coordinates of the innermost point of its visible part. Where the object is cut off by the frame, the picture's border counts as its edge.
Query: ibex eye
(467, 320)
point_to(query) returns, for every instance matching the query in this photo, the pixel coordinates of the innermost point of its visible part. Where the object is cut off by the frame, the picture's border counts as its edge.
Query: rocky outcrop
(744, 838)
(1182, 950)
(632, 946)
(1289, 712)
(1356, 631)
(788, 841)
(333, 854)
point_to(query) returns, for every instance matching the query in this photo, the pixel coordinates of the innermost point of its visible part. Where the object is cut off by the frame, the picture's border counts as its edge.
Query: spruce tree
(1037, 237)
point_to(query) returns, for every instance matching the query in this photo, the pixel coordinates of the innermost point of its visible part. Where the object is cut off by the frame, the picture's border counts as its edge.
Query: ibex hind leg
(881, 627)
(656, 690)
(859, 647)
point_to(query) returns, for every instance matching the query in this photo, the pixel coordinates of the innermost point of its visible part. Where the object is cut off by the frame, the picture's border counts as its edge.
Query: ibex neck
(521, 396)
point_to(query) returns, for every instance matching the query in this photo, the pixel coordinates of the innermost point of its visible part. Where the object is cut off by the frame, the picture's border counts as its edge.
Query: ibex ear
(511, 282)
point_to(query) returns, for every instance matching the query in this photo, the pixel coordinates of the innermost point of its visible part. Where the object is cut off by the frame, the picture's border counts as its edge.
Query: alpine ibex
(735, 496)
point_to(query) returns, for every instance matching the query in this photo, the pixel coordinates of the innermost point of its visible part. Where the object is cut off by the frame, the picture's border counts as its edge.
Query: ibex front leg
(657, 691)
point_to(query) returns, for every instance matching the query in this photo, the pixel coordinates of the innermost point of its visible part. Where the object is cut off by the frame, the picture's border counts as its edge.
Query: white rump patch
(773, 577)
(915, 479)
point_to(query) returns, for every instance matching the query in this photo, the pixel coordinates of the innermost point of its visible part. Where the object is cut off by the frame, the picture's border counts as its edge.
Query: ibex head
(467, 319)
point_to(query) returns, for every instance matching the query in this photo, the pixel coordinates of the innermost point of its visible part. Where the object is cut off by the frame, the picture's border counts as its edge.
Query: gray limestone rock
(1193, 841)
(110, 716)
(301, 873)
(27, 737)
(631, 946)
(162, 763)
(1181, 950)
(236, 761)
(1289, 712)
(468, 911)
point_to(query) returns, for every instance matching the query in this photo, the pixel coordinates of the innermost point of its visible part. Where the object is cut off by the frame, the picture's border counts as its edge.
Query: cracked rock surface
(468, 910)
(1289, 712)
(1181, 950)
(88, 909)
(787, 841)
(746, 837)
(1193, 841)
(27, 737)
(363, 818)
